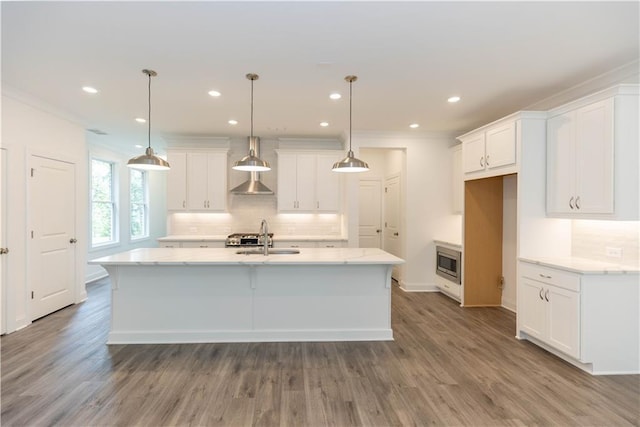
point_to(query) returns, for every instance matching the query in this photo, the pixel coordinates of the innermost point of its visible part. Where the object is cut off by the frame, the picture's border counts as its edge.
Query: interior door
(392, 236)
(370, 214)
(52, 235)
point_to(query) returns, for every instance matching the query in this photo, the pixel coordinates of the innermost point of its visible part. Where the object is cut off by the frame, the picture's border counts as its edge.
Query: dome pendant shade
(350, 164)
(149, 161)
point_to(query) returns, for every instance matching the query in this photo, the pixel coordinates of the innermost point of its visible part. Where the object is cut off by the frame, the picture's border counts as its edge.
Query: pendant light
(251, 163)
(149, 161)
(350, 163)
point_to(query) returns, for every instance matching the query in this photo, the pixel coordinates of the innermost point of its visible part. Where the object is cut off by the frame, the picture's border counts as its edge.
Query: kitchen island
(190, 295)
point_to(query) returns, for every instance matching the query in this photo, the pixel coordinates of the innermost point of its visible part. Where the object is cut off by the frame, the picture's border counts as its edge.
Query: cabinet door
(306, 182)
(177, 182)
(287, 182)
(532, 308)
(563, 319)
(295, 244)
(217, 181)
(501, 146)
(594, 158)
(197, 167)
(473, 153)
(327, 184)
(561, 163)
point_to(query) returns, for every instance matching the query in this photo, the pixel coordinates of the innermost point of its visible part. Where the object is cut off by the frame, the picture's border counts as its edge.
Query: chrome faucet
(264, 230)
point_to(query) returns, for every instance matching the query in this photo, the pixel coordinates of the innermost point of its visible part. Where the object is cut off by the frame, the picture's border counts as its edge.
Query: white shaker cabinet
(306, 182)
(588, 318)
(490, 150)
(177, 181)
(592, 157)
(197, 180)
(207, 181)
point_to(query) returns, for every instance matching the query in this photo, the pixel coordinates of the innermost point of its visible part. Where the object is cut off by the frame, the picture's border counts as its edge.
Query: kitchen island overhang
(195, 295)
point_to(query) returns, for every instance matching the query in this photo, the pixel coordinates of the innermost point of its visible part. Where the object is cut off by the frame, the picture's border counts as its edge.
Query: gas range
(247, 239)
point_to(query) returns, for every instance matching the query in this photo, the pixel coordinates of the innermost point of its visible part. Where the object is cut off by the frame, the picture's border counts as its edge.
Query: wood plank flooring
(448, 366)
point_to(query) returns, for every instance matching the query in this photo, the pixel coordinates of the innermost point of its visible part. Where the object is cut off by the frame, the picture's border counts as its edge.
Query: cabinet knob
(73, 240)
(396, 234)
(482, 161)
(571, 203)
(4, 251)
(487, 160)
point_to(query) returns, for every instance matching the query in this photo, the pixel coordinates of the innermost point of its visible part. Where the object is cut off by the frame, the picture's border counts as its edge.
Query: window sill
(104, 246)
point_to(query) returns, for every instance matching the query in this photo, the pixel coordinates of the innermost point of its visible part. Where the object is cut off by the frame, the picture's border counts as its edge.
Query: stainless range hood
(253, 185)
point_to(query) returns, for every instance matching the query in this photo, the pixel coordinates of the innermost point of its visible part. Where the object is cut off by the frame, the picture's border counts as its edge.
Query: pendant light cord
(149, 118)
(252, 109)
(350, 110)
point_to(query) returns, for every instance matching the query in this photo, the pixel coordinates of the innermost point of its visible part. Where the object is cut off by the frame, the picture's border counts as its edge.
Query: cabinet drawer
(203, 244)
(552, 276)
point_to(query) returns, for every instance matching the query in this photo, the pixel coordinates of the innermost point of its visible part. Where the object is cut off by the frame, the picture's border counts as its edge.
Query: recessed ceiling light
(324, 124)
(89, 89)
(233, 122)
(138, 146)
(335, 95)
(141, 120)
(214, 93)
(414, 125)
(453, 99)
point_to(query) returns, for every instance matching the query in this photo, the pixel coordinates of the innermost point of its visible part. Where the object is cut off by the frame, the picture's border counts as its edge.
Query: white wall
(157, 204)
(591, 238)
(509, 241)
(426, 206)
(29, 130)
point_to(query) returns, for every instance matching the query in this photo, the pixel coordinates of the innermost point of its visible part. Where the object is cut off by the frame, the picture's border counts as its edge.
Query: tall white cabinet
(306, 182)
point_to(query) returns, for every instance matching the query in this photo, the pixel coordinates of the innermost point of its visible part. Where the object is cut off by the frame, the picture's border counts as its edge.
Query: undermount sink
(270, 252)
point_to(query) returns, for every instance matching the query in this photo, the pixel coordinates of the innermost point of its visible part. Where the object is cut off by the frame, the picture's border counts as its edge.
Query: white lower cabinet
(551, 314)
(591, 320)
(309, 244)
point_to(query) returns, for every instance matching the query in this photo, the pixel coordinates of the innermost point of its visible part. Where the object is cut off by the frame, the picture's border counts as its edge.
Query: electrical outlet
(613, 252)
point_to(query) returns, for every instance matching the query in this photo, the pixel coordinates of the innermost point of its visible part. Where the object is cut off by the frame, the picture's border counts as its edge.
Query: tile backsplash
(245, 214)
(593, 239)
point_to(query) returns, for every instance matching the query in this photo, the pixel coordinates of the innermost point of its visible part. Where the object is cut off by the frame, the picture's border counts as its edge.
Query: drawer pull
(546, 295)
(545, 277)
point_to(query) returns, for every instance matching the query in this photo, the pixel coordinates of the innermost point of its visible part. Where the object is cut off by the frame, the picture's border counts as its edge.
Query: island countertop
(228, 256)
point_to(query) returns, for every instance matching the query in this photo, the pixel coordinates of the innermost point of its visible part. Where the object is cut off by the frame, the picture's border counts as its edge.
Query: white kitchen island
(190, 295)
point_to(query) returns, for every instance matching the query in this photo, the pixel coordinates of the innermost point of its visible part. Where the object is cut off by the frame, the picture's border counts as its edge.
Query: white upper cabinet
(592, 157)
(490, 150)
(207, 181)
(197, 181)
(306, 183)
(177, 181)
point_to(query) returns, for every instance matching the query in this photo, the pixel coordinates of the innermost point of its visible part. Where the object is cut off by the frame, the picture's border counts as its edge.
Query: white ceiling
(409, 57)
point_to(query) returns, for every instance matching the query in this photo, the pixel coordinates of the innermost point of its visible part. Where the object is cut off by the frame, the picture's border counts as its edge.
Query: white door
(52, 235)
(392, 236)
(370, 214)
(3, 237)
(473, 154)
(501, 146)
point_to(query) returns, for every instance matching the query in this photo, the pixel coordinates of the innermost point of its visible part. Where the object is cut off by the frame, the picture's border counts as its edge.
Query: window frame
(144, 204)
(115, 223)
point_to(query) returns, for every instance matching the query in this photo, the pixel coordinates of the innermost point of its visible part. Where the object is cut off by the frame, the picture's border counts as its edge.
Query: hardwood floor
(447, 366)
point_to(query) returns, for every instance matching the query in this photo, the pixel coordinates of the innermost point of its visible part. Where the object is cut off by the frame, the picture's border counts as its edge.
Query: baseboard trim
(418, 287)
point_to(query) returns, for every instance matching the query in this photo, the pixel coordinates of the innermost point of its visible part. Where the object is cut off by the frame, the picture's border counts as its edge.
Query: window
(139, 206)
(103, 206)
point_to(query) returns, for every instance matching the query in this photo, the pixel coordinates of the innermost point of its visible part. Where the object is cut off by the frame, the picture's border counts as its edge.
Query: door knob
(72, 240)
(4, 251)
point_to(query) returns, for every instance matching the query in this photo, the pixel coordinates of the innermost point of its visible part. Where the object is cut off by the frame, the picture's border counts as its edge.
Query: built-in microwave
(448, 264)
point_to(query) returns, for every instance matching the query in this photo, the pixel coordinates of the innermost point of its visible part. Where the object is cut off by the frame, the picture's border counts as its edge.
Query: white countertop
(228, 256)
(276, 238)
(582, 265)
